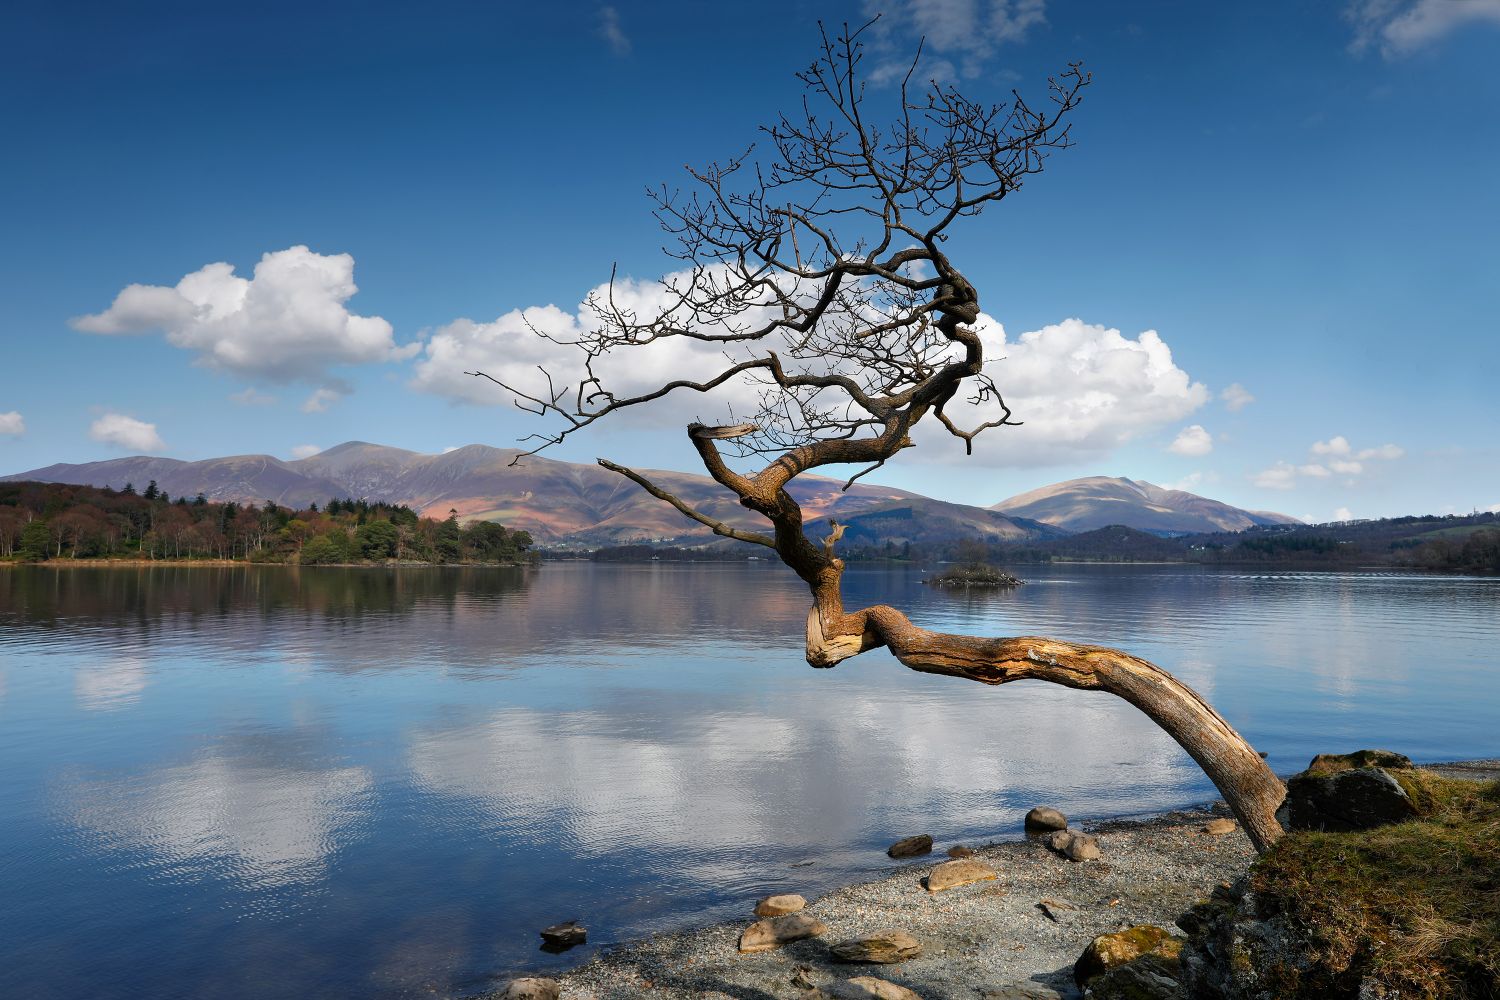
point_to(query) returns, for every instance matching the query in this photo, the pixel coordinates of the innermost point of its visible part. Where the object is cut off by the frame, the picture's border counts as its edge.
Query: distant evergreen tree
(151, 491)
(200, 500)
(129, 489)
(36, 541)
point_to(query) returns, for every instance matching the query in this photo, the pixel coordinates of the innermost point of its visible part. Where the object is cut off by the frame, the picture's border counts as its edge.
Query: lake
(268, 782)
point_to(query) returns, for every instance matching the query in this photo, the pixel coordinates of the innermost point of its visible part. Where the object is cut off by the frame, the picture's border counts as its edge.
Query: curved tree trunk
(1249, 786)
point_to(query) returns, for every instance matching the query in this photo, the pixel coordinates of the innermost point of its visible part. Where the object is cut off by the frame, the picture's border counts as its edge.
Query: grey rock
(561, 937)
(1082, 848)
(1073, 845)
(911, 847)
(1149, 978)
(1044, 818)
(532, 989)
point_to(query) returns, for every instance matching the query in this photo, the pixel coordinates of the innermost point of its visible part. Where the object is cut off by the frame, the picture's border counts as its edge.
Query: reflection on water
(268, 782)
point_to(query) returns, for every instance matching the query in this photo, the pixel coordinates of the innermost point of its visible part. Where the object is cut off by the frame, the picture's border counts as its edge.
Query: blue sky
(1298, 199)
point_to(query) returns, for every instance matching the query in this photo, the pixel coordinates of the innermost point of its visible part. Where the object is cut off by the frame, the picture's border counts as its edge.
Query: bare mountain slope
(1100, 501)
(553, 500)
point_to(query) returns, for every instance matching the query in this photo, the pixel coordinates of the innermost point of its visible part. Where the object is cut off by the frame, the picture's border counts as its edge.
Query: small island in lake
(974, 574)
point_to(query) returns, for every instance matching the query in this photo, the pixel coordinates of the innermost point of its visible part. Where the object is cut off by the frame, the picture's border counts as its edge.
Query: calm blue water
(270, 782)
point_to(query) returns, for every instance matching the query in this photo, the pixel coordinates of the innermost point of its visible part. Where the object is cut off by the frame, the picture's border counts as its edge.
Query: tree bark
(1252, 790)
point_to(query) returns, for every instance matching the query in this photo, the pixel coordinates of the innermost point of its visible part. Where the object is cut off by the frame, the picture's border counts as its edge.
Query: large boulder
(1355, 791)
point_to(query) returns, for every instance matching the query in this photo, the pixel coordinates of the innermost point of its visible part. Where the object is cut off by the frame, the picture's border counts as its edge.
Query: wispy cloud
(320, 400)
(1236, 397)
(251, 397)
(1400, 27)
(613, 32)
(305, 451)
(1336, 456)
(960, 37)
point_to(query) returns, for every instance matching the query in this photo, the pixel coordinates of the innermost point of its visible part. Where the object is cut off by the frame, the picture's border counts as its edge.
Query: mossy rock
(1332, 763)
(1110, 951)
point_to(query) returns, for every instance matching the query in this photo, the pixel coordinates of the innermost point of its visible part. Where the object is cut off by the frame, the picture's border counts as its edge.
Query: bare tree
(817, 268)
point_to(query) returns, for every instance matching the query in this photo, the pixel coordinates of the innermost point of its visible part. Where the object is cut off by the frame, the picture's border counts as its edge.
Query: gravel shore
(1013, 938)
(991, 940)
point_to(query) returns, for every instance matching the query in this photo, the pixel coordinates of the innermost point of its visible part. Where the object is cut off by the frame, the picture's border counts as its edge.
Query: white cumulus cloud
(1192, 441)
(1401, 27)
(1343, 514)
(305, 451)
(1389, 452)
(1081, 389)
(12, 424)
(1236, 397)
(126, 433)
(287, 322)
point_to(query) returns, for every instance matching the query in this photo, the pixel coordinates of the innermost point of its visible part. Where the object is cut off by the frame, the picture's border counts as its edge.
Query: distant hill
(555, 501)
(1101, 501)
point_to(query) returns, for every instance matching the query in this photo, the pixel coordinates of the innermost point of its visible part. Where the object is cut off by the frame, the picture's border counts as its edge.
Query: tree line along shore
(52, 522)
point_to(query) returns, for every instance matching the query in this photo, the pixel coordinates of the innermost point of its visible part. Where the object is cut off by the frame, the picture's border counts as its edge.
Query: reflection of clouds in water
(265, 822)
(833, 766)
(108, 686)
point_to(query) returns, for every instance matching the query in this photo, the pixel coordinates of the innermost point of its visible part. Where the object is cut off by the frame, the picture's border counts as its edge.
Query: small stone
(882, 948)
(780, 906)
(561, 937)
(1082, 848)
(1044, 818)
(1110, 951)
(865, 988)
(532, 989)
(950, 874)
(960, 851)
(911, 847)
(1059, 840)
(773, 932)
(1219, 827)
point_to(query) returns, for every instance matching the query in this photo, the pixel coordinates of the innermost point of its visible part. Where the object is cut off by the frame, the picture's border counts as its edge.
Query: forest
(52, 521)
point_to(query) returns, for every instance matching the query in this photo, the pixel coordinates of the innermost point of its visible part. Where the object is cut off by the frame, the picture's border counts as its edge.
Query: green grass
(1414, 906)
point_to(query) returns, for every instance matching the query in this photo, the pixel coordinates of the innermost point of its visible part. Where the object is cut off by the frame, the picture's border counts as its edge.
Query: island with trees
(42, 522)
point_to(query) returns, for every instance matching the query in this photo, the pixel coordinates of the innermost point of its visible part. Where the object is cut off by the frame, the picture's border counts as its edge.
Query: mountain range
(586, 504)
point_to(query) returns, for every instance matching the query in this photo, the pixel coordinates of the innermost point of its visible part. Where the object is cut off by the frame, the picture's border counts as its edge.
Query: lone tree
(817, 269)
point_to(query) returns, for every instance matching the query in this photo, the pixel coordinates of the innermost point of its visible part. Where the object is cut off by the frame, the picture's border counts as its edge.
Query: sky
(1267, 272)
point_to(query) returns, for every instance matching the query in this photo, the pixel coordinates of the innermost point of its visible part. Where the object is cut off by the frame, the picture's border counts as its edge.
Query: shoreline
(989, 940)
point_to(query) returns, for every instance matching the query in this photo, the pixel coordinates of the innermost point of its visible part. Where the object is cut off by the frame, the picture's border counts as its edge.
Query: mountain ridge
(1094, 502)
(568, 502)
